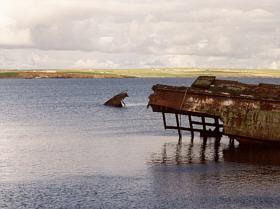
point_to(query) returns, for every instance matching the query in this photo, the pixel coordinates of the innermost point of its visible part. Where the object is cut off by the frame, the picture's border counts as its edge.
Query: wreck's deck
(232, 89)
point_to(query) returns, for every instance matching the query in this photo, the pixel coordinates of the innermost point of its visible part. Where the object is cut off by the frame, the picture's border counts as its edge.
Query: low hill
(140, 73)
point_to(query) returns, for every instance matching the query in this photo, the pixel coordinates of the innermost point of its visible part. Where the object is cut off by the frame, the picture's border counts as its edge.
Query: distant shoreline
(139, 73)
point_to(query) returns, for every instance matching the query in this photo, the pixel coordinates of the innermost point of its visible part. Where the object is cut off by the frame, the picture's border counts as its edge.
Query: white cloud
(275, 65)
(15, 37)
(11, 34)
(179, 61)
(92, 63)
(185, 33)
(259, 13)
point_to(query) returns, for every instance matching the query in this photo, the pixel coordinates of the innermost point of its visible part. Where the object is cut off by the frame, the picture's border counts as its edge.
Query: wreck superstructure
(248, 112)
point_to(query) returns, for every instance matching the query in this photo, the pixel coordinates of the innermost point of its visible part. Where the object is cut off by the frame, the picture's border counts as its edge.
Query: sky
(36, 34)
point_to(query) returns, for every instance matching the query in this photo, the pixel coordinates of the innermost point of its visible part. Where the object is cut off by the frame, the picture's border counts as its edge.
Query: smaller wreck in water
(249, 113)
(117, 100)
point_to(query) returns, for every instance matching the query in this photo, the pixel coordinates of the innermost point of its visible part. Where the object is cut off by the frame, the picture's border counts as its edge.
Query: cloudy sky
(139, 33)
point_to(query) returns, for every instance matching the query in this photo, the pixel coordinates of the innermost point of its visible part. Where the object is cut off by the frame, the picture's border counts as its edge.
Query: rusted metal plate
(251, 111)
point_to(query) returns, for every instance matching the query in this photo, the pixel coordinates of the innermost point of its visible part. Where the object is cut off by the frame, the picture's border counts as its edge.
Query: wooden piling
(179, 129)
(191, 127)
(164, 120)
(203, 131)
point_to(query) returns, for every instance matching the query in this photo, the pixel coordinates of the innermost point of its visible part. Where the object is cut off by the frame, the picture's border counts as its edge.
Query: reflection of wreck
(117, 101)
(188, 153)
(250, 113)
(253, 155)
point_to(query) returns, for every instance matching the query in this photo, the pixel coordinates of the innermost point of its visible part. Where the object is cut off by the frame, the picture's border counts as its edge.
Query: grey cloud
(198, 31)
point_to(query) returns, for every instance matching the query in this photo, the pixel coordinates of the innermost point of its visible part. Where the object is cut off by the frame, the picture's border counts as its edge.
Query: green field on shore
(193, 72)
(153, 72)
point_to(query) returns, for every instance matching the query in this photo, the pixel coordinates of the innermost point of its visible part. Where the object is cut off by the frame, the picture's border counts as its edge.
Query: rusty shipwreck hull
(250, 112)
(117, 100)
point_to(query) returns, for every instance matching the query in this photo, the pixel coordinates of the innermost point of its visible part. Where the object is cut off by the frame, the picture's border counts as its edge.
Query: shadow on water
(213, 150)
(255, 155)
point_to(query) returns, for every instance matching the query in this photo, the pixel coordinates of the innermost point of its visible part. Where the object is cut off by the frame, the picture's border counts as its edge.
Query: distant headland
(138, 73)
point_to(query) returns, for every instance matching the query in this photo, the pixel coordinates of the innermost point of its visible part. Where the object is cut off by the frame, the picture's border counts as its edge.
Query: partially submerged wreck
(117, 100)
(249, 113)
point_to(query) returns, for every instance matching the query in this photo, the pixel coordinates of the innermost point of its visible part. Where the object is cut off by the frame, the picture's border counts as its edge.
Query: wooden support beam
(203, 131)
(203, 123)
(231, 142)
(217, 125)
(164, 120)
(191, 127)
(207, 124)
(179, 129)
(188, 129)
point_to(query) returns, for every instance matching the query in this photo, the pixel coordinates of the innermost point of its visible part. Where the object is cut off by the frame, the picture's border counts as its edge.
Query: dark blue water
(60, 147)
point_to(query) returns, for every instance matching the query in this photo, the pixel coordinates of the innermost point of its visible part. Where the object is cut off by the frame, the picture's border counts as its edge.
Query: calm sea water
(61, 148)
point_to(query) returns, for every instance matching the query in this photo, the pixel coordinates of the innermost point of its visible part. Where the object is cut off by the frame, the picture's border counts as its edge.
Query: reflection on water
(213, 150)
(198, 152)
(253, 155)
(198, 175)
